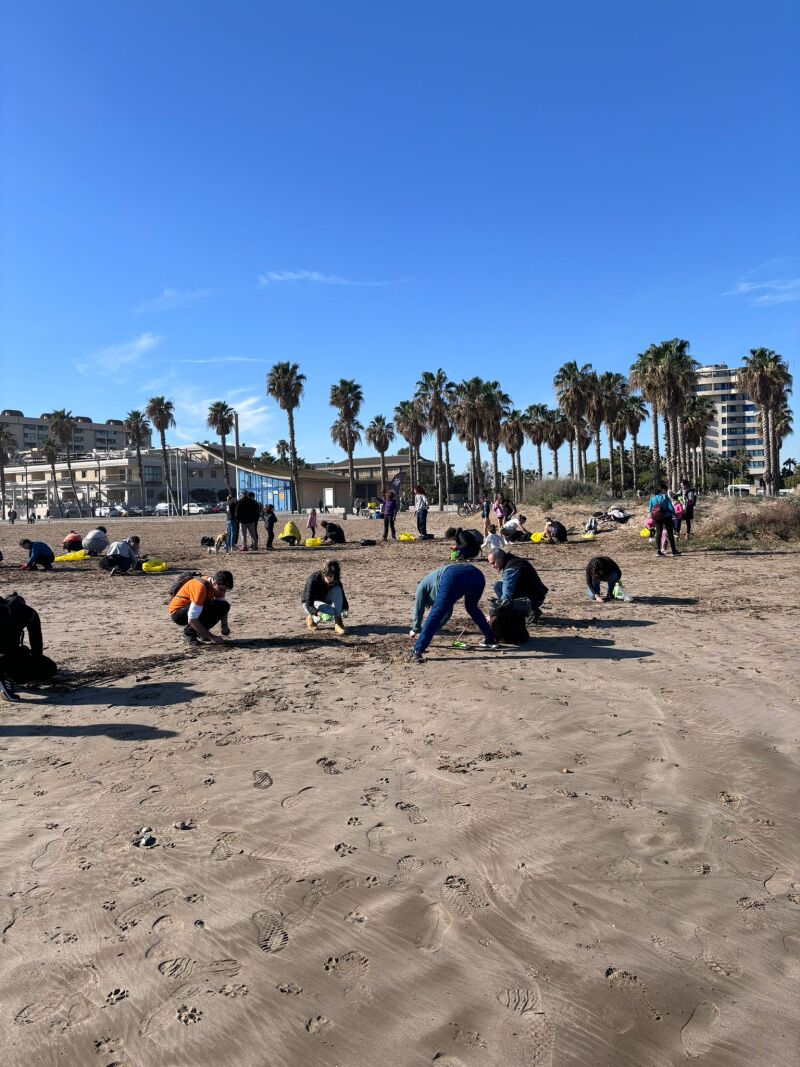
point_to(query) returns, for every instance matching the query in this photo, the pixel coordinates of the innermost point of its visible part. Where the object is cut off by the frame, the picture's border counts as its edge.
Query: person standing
(689, 501)
(663, 515)
(12, 516)
(269, 518)
(463, 581)
(486, 515)
(421, 506)
(311, 523)
(389, 503)
(232, 523)
(247, 515)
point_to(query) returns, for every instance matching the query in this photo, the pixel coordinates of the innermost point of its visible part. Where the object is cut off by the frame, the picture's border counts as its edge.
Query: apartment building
(735, 423)
(30, 433)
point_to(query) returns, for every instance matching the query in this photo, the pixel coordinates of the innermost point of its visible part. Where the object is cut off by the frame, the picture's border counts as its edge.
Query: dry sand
(579, 852)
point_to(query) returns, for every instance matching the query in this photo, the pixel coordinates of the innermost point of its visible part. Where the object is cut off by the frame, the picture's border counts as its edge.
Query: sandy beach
(578, 852)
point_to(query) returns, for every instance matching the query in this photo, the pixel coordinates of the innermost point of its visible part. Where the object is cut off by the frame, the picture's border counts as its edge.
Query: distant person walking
(389, 504)
(12, 516)
(662, 513)
(689, 501)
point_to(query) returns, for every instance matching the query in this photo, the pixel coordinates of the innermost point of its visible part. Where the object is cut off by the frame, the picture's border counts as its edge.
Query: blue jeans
(233, 535)
(462, 580)
(594, 590)
(422, 522)
(498, 592)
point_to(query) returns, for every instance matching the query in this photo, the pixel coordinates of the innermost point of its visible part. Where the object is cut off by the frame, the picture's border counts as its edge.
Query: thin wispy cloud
(768, 292)
(314, 277)
(110, 359)
(169, 299)
(221, 359)
(255, 417)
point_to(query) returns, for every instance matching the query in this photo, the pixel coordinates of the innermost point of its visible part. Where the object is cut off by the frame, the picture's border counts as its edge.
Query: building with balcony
(30, 433)
(736, 425)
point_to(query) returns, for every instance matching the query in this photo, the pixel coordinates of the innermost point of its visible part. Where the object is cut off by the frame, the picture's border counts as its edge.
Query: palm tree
(282, 451)
(61, 427)
(595, 414)
(635, 414)
(495, 405)
(433, 391)
(571, 385)
(138, 429)
(645, 375)
(380, 435)
(220, 420)
(409, 422)
(619, 431)
(782, 421)
(285, 385)
(678, 377)
(8, 446)
(49, 450)
(612, 388)
(347, 397)
(512, 434)
(766, 378)
(555, 428)
(467, 412)
(446, 434)
(535, 428)
(698, 415)
(160, 412)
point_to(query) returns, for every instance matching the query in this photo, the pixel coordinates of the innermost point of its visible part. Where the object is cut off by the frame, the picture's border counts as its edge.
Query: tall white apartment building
(30, 432)
(735, 423)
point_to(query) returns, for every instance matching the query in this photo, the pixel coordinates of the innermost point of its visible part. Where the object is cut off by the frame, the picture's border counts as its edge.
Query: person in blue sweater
(427, 588)
(460, 581)
(39, 555)
(662, 513)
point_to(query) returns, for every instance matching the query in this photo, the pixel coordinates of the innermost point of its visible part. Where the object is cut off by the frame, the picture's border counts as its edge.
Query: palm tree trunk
(140, 472)
(703, 464)
(571, 446)
(622, 465)
(597, 456)
(581, 467)
(540, 469)
(610, 442)
(293, 461)
(439, 470)
(165, 471)
(634, 461)
(352, 472)
(2, 490)
(447, 472)
(683, 464)
(493, 450)
(55, 490)
(225, 464)
(668, 445)
(520, 476)
(656, 452)
(384, 478)
(555, 462)
(72, 483)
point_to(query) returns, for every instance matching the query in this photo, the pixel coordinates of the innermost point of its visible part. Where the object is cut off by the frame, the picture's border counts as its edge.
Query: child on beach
(311, 523)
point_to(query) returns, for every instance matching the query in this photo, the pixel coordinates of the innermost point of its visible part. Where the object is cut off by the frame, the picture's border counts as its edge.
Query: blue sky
(193, 191)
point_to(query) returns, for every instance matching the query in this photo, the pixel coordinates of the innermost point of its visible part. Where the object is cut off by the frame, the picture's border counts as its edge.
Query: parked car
(195, 509)
(164, 508)
(108, 511)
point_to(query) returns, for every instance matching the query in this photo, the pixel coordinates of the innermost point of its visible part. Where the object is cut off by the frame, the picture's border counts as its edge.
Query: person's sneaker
(113, 571)
(659, 553)
(676, 553)
(414, 657)
(339, 627)
(225, 630)
(7, 690)
(489, 647)
(310, 624)
(192, 640)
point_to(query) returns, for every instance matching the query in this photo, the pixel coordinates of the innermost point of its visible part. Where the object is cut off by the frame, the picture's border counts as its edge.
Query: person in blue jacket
(461, 581)
(427, 588)
(39, 555)
(662, 512)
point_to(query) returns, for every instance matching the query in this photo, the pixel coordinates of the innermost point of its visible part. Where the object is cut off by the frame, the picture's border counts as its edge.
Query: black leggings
(21, 666)
(388, 524)
(661, 526)
(213, 612)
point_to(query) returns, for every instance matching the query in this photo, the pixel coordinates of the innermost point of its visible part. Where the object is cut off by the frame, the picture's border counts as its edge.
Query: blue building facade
(268, 490)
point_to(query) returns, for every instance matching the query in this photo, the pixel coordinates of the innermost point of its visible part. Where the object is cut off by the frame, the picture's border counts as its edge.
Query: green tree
(8, 446)
(555, 430)
(409, 421)
(572, 385)
(380, 435)
(220, 420)
(433, 392)
(49, 450)
(61, 427)
(138, 429)
(536, 416)
(285, 384)
(766, 378)
(347, 397)
(161, 413)
(512, 433)
(645, 376)
(495, 406)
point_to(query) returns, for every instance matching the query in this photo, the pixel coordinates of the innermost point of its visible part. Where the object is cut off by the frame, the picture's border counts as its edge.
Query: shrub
(767, 523)
(546, 493)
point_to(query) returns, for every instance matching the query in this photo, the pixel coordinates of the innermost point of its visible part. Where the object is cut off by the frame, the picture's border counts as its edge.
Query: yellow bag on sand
(313, 542)
(644, 533)
(537, 537)
(406, 537)
(73, 557)
(588, 537)
(154, 566)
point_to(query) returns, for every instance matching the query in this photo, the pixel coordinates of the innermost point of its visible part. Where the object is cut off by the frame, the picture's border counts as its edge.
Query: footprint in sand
(697, 1035)
(316, 1024)
(50, 854)
(295, 799)
(411, 812)
(407, 867)
(182, 968)
(133, 916)
(436, 921)
(527, 1035)
(378, 836)
(270, 933)
(226, 846)
(262, 779)
(463, 898)
(348, 966)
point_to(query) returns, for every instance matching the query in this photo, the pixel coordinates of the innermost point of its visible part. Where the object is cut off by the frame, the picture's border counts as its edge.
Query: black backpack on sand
(180, 582)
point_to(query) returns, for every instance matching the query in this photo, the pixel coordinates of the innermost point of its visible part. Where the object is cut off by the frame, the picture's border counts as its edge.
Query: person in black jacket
(18, 662)
(602, 569)
(324, 597)
(232, 523)
(519, 581)
(333, 535)
(248, 512)
(466, 543)
(555, 533)
(269, 518)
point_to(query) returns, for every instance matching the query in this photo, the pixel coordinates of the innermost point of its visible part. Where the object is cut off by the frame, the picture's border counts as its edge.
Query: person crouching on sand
(290, 535)
(602, 569)
(199, 604)
(460, 581)
(324, 597)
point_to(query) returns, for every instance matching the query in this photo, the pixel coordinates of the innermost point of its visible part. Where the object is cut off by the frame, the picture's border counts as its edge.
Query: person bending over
(72, 542)
(123, 556)
(199, 604)
(96, 541)
(555, 533)
(425, 597)
(519, 582)
(333, 534)
(21, 663)
(602, 569)
(39, 555)
(514, 529)
(466, 543)
(290, 535)
(463, 581)
(324, 596)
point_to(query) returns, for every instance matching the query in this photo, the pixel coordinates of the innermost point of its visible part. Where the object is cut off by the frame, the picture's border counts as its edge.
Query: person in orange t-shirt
(199, 605)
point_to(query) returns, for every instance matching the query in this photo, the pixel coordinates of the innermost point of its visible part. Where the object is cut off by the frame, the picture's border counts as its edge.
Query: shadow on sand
(128, 731)
(562, 648)
(157, 694)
